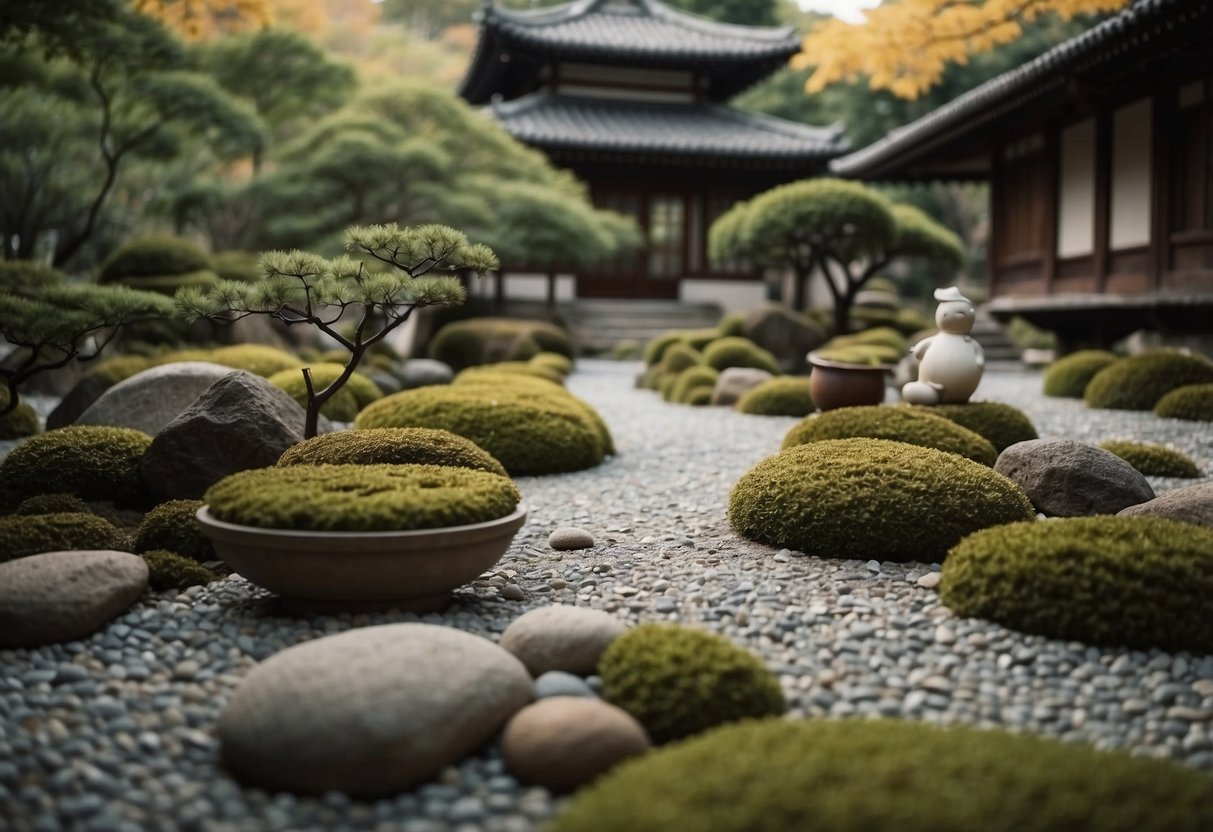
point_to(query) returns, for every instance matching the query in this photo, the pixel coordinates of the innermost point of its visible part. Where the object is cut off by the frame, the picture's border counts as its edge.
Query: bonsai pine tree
(299, 288)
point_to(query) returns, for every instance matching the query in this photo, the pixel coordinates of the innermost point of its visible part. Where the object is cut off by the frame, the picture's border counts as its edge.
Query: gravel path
(117, 732)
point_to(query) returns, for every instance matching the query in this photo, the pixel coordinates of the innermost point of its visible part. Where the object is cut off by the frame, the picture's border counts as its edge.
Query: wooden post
(499, 292)
(551, 290)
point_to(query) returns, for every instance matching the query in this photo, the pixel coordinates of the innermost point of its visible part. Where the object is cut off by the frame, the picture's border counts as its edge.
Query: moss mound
(784, 396)
(553, 361)
(475, 341)
(655, 349)
(118, 368)
(53, 504)
(738, 352)
(864, 775)
(690, 380)
(1192, 401)
(173, 526)
(34, 534)
(20, 423)
(91, 462)
(361, 498)
(880, 336)
(871, 498)
(678, 681)
(1068, 376)
(392, 446)
(914, 426)
(1139, 381)
(1000, 424)
(357, 392)
(680, 357)
(255, 358)
(514, 368)
(699, 397)
(489, 376)
(236, 265)
(1153, 460)
(158, 263)
(1133, 581)
(168, 570)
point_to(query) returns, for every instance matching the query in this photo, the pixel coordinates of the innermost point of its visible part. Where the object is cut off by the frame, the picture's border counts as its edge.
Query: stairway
(998, 346)
(598, 325)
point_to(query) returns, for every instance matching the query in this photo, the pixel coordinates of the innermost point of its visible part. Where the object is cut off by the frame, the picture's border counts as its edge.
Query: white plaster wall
(1076, 196)
(731, 295)
(1130, 220)
(526, 287)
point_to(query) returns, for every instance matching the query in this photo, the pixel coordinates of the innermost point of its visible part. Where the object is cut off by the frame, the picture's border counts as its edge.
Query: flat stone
(149, 400)
(564, 742)
(561, 638)
(65, 596)
(371, 711)
(421, 372)
(1190, 504)
(559, 683)
(569, 538)
(1067, 478)
(734, 382)
(929, 580)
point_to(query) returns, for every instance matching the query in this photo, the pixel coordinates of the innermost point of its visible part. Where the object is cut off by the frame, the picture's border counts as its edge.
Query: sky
(846, 9)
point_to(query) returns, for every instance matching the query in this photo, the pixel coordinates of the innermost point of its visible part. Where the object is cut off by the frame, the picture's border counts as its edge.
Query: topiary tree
(301, 288)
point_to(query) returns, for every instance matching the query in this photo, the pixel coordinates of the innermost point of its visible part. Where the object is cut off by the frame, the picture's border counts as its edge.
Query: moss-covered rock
(392, 446)
(53, 504)
(513, 368)
(677, 681)
(361, 498)
(173, 526)
(357, 392)
(474, 341)
(554, 361)
(169, 570)
(1139, 381)
(22, 535)
(1068, 376)
(775, 775)
(871, 498)
(680, 357)
(1001, 424)
(689, 380)
(1133, 581)
(914, 426)
(20, 423)
(738, 352)
(92, 462)
(780, 396)
(1153, 460)
(1192, 401)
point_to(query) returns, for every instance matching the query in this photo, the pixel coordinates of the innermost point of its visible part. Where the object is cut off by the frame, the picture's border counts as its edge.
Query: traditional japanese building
(1099, 156)
(631, 96)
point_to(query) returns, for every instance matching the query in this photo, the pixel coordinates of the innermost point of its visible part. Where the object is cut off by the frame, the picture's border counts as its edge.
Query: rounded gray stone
(1067, 478)
(559, 683)
(421, 372)
(561, 638)
(149, 400)
(569, 538)
(1190, 504)
(734, 382)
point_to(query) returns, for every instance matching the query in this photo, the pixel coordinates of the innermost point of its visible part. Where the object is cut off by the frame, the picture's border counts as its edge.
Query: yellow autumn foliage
(202, 19)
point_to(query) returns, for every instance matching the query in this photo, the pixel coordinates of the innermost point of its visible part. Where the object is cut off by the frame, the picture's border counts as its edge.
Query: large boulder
(561, 638)
(734, 382)
(149, 400)
(788, 335)
(240, 422)
(1191, 504)
(372, 711)
(1066, 478)
(79, 399)
(65, 596)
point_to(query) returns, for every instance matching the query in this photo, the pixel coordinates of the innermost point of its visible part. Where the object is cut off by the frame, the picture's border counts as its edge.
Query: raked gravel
(117, 732)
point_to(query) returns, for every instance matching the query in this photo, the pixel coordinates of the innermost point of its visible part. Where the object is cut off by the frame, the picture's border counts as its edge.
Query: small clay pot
(834, 385)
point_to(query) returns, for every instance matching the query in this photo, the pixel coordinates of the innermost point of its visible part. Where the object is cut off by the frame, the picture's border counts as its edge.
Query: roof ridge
(793, 129)
(577, 9)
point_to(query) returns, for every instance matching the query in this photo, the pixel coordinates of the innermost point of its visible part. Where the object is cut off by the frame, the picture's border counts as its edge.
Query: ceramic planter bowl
(357, 571)
(834, 385)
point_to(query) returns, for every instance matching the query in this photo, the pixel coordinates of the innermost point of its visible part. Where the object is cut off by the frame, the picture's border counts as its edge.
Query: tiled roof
(1134, 28)
(693, 129)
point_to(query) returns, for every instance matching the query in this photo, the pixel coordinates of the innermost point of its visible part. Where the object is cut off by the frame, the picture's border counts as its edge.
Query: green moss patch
(866, 775)
(1068, 376)
(53, 504)
(914, 426)
(392, 446)
(1139, 381)
(1192, 401)
(257, 359)
(475, 341)
(357, 392)
(515, 368)
(871, 498)
(168, 570)
(20, 423)
(738, 352)
(34, 534)
(678, 681)
(173, 526)
(1133, 581)
(91, 462)
(361, 498)
(1000, 424)
(562, 364)
(680, 357)
(1153, 460)
(783, 396)
(690, 380)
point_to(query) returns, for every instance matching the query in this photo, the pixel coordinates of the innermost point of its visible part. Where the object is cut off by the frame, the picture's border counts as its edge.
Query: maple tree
(904, 46)
(201, 19)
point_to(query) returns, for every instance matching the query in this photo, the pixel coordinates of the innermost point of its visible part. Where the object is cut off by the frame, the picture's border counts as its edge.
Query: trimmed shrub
(361, 498)
(1192, 401)
(855, 775)
(257, 359)
(1137, 582)
(1068, 376)
(999, 423)
(53, 504)
(20, 423)
(680, 357)
(173, 526)
(738, 352)
(34, 534)
(528, 432)
(89, 461)
(781, 396)
(1139, 381)
(914, 426)
(1153, 460)
(514, 368)
(392, 446)
(553, 361)
(475, 341)
(357, 392)
(152, 257)
(236, 265)
(689, 380)
(871, 498)
(27, 276)
(168, 570)
(677, 681)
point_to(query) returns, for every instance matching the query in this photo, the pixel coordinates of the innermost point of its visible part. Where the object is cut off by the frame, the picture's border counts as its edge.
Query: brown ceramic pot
(834, 385)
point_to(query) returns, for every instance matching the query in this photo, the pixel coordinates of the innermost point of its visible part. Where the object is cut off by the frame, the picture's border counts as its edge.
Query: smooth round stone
(561, 638)
(1067, 478)
(1190, 504)
(564, 742)
(371, 711)
(568, 539)
(559, 683)
(149, 400)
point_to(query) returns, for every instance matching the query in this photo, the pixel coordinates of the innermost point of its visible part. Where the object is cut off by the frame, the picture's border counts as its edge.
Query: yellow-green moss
(37, 533)
(698, 397)
(679, 357)
(173, 526)
(915, 426)
(168, 570)
(880, 336)
(514, 368)
(781, 396)
(698, 339)
(665, 384)
(867, 355)
(357, 392)
(562, 364)
(871, 498)
(118, 368)
(655, 349)
(92, 462)
(361, 498)
(689, 380)
(20, 423)
(1134, 581)
(487, 383)
(475, 341)
(1001, 424)
(53, 504)
(1153, 460)
(257, 359)
(628, 349)
(1068, 376)
(1192, 401)
(392, 446)
(860, 775)
(677, 681)
(489, 376)
(1139, 381)
(738, 352)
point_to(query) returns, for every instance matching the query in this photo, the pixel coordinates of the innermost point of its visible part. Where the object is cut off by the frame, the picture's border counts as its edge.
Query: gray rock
(65, 596)
(240, 422)
(561, 638)
(735, 381)
(564, 742)
(149, 400)
(559, 683)
(371, 711)
(1190, 504)
(86, 391)
(386, 382)
(420, 372)
(568, 538)
(788, 335)
(1067, 478)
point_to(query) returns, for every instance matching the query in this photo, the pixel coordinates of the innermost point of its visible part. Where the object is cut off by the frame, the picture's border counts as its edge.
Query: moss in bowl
(1153, 460)
(914, 426)
(392, 446)
(780, 396)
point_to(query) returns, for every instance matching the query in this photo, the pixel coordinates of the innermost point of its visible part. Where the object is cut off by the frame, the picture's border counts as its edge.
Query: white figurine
(951, 362)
